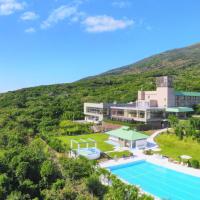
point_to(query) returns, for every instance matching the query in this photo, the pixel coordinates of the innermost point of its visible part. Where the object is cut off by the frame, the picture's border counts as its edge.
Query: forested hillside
(29, 116)
(47, 105)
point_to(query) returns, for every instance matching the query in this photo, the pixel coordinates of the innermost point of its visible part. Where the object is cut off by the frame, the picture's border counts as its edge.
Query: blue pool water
(89, 151)
(159, 181)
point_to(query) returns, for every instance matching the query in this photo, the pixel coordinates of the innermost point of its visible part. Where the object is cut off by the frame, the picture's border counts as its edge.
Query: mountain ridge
(138, 64)
(188, 56)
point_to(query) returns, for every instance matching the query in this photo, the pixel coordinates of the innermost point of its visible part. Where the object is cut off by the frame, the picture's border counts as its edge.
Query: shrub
(56, 145)
(148, 152)
(189, 164)
(95, 187)
(194, 164)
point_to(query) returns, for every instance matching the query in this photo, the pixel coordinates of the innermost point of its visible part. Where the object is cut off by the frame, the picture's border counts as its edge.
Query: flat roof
(127, 134)
(179, 109)
(192, 94)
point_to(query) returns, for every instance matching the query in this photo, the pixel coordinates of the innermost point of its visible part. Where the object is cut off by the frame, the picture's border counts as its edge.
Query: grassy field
(173, 147)
(100, 138)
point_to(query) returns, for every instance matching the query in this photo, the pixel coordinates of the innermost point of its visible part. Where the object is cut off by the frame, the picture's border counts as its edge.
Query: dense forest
(30, 167)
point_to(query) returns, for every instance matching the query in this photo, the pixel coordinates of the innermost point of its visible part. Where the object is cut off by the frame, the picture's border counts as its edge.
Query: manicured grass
(119, 154)
(100, 138)
(172, 147)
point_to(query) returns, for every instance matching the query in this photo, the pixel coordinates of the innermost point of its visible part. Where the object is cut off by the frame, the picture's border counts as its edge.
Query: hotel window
(105, 111)
(156, 114)
(132, 113)
(141, 114)
(113, 112)
(94, 110)
(120, 112)
(177, 100)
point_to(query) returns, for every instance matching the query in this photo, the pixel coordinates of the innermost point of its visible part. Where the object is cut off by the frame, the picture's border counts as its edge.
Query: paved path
(151, 140)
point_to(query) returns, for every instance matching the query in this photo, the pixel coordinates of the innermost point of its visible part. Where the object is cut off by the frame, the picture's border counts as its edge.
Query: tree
(4, 185)
(48, 172)
(15, 195)
(195, 123)
(56, 144)
(29, 188)
(173, 120)
(78, 168)
(179, 131)
(95, 187)
(120, 191)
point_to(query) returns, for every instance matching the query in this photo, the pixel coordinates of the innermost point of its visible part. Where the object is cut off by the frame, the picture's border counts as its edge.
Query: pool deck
(120, 161)
(155, 159)
(176, 167)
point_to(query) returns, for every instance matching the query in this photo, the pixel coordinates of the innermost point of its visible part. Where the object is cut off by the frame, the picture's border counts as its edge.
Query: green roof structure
(127, 134)
(191, 94)
(179, 109)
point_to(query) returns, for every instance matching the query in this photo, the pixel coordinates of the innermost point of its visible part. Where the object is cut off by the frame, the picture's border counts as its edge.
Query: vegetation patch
(133, 124)
(120, 154)
(173, 147)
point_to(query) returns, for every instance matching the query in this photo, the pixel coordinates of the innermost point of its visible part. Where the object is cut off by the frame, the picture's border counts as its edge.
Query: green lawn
(172, 147)
(100, 138)
(119, 154)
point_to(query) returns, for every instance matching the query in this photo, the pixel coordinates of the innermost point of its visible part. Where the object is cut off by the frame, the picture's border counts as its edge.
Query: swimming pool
(90, 153)
(159, 181)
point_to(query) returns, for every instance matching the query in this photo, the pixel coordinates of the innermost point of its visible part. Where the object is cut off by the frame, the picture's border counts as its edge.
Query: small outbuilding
(127, 137)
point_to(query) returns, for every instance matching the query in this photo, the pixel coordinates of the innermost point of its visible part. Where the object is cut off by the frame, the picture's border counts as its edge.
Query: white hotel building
(151, 107)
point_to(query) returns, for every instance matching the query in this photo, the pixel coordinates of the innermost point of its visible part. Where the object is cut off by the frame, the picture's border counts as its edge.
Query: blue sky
(57, 41)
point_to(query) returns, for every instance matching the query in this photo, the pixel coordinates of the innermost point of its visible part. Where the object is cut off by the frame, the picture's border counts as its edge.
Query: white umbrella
(185, 157)
(157, 150)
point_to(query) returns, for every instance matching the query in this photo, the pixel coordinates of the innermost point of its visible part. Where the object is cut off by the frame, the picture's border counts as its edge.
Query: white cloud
(30, 30)
(60, 14)
(29, 16)
(8, 7)
(121, 4)
(104, 23)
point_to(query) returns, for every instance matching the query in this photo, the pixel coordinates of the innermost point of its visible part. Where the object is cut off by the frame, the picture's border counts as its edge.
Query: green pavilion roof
(179, 109)
(127, 134)
(192, 94)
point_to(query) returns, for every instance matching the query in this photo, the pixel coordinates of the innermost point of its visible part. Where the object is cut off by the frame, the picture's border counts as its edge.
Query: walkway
(151, 139)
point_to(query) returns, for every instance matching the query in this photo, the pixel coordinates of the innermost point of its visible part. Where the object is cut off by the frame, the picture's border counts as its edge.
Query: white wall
(140, 144)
